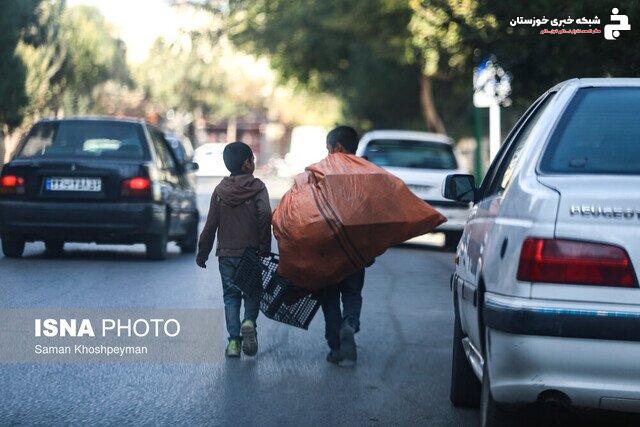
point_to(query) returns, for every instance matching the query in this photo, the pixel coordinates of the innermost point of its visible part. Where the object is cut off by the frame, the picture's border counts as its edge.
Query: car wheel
(54, 247)
(451, 238)
(491, 414)
(157, 247)
(465, 387)
(189, 243)
(12, 246)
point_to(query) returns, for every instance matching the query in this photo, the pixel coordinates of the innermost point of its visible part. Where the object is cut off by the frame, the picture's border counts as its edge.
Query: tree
(438, 28)
(16, 17)
(95, 56)
(358, 50)
(54, 60)
(222, 84)
(185, 77)
(452, 36)
(76, 54)
(44, 57)
(373, 53)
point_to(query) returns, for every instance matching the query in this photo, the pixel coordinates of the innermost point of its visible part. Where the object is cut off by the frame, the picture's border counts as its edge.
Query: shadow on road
(102, 253)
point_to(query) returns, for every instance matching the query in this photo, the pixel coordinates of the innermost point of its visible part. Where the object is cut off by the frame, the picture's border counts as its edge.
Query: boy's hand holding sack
(340, 214)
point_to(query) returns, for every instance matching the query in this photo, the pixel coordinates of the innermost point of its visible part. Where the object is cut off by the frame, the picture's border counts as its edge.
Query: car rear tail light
(136, 187)
(12, 184)
(575, 262)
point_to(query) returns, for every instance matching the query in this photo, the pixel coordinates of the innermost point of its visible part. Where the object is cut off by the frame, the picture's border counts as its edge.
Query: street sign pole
(494, 130)
(492, 86)
(478, 154)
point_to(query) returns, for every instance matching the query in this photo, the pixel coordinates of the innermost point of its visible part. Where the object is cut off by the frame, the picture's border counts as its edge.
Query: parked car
(422, 160)
(209, 159)
(103, 180)
(308, 145)
(545, 290)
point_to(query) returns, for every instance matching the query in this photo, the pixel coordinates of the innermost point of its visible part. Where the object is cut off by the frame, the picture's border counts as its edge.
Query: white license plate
(73, 184)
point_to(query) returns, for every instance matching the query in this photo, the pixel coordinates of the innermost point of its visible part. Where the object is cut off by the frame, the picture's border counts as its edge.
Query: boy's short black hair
(235, 154)
(346, 136)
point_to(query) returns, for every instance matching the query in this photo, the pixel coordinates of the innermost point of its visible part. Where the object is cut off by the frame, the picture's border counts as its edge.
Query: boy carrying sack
(241, 215)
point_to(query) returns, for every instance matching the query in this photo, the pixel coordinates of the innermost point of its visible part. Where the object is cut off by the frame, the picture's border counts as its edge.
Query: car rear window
(599, 134)
(406, 153)
(85, 139)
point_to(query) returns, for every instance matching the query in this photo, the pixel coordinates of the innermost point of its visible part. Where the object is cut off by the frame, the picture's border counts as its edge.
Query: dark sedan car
(102, 180)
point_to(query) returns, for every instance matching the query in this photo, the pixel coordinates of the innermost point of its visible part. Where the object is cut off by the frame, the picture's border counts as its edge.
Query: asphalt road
(404, 348)
(402, 377)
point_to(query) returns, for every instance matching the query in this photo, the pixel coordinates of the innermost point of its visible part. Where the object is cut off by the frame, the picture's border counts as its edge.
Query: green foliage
(453, 35)
(16, 18)
(178, 78)
(45, 59)
(371, 52)
(219, 83)
(446, 33)
(550, 59)
(75, 54)
(94, 56)
(191, 77)
(356, 49)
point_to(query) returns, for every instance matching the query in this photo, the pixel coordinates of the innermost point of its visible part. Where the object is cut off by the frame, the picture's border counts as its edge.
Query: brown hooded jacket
(241, 215)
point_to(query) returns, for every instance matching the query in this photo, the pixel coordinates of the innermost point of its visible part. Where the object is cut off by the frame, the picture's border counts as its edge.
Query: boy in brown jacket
(241, 215)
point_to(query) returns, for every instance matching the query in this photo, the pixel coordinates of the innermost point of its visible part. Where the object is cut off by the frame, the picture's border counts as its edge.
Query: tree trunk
(429, 111)
(232, 129)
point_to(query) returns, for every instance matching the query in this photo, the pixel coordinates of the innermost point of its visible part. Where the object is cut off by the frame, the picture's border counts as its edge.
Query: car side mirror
(190, 166)
(460, 187)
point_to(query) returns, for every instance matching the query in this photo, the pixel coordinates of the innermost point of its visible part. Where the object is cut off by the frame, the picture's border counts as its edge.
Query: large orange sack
(340, 214)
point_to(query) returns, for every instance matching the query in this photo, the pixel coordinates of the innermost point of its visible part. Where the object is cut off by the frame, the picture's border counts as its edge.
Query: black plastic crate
(279, 299)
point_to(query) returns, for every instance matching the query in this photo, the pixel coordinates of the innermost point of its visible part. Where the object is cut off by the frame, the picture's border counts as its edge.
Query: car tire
(189, 243)
(491, 414)
(54, 247)
(452, 238)
(465, 387)
(156, 246)
(12, 246)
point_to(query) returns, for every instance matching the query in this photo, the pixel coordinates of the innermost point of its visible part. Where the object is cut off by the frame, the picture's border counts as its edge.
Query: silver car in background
(546, 297)
(422, 160)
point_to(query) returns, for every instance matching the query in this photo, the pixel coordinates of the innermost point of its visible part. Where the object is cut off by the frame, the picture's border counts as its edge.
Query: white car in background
(209, 159)
(422, 160)
(308, 146)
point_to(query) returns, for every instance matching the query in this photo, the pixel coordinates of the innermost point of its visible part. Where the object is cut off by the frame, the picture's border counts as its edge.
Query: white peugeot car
(422, 160)
(546, 297)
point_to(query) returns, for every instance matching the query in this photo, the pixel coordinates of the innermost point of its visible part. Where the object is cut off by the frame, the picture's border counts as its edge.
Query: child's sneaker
(249, 338)
(233, 349)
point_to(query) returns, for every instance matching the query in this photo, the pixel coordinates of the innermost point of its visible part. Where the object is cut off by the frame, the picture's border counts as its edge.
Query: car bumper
(590, 354)
(82, 222)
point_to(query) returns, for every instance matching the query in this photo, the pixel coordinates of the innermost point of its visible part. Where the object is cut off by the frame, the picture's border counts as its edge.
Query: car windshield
(101, 139)
(407, 153)
(600, 133)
